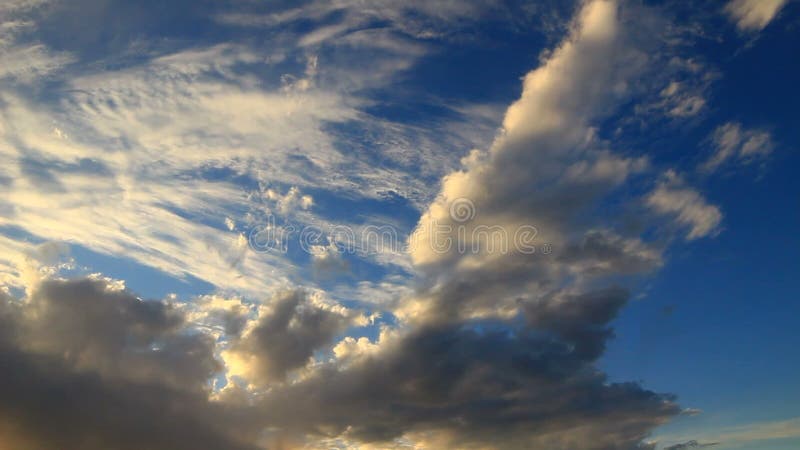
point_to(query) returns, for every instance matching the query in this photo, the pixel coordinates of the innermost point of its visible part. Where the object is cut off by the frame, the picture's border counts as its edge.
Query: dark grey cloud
(79, 373)
(602, 252)
(50, 406)
(94, 367)
(232, 322)
(286, 337)
(581, 320)
(97, 328)
(482, 383)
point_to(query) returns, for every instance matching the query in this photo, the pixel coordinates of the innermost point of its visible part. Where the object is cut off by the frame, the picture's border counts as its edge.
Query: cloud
(679, 102)
(145, 146)
(490, 349)
(464, 372)
(603, 252)
(26, 64)
(753, 15)
(414, 18)
(218, 315)
(688, 207)
(100, 328)
(733, 142)
(171, 147)
(93, 367)
(156, 214)
(474, 387)
(328, 261)
(283, 338)
(543, 173)
(151, 151)
(23, 60)
(678, 82)
(292, 200)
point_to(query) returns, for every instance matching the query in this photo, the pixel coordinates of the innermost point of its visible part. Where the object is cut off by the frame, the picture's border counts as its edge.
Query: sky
(440, 224)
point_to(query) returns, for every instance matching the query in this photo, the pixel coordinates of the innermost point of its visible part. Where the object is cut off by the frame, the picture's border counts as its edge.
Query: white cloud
(28, 63)
(733, 142)
(25, 61)
(687, 106)
(286, 204)
(680, 99)
(113, 163)
(672, 197)
(547, 169)
(753, 15)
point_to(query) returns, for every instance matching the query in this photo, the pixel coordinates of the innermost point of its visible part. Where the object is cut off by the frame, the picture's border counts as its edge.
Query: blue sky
(263, 190)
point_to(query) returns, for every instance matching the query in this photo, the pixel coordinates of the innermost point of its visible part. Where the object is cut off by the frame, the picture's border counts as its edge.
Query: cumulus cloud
(753, 15)
(546, 170)
(732, 142)
(284, 338)
(466, 387)
(688, 207)
(219, 315)
(99, 328)
(93, 367)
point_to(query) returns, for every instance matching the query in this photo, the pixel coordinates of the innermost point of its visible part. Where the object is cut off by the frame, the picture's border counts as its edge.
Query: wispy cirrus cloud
(187, 140)
(733, 143)
(753, 15)
(689, 208)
